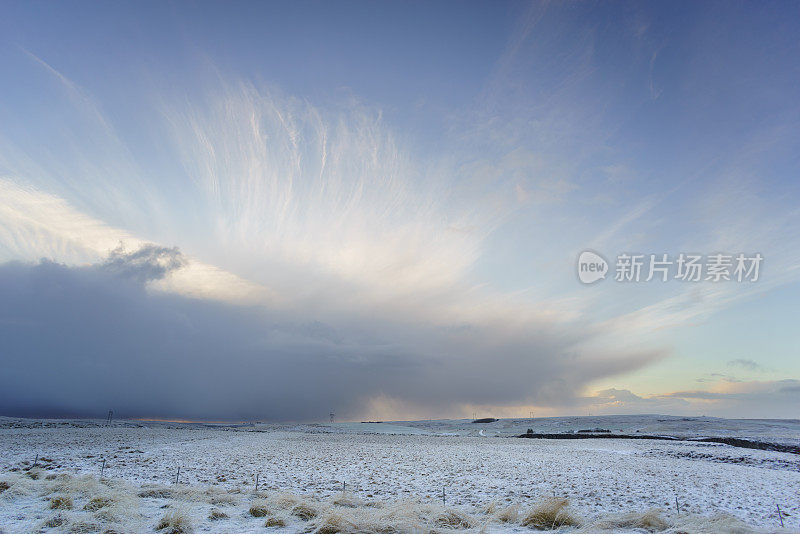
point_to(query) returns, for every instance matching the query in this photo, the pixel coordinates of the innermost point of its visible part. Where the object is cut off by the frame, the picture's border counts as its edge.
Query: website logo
(591, 267)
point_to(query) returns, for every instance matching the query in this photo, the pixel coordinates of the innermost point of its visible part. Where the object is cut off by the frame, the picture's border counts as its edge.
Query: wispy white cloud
(331, 191)
(77, 96)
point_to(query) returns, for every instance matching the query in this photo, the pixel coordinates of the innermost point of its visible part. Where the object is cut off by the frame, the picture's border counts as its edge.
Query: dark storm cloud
(80, 341)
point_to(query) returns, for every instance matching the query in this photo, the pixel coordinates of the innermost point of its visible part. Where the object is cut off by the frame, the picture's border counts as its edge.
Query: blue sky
(384, 202)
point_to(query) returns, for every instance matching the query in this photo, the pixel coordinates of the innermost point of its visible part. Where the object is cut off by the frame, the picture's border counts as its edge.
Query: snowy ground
(410, 462)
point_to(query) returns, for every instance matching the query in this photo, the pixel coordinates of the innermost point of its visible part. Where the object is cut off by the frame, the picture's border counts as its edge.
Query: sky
(278, 210)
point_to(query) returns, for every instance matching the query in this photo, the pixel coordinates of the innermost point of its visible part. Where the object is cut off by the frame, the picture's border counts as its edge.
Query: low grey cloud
(749, 365)
(771, 399)
(747, 391)
(78, 341)
(148, 263)
(717, 377)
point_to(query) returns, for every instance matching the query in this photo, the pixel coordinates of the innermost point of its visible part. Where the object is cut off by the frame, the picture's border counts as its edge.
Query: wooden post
(256, 481)
(177, 477)
(102, 468)
(444, 497)
(35, 461)
(780, 515)
(677, 506)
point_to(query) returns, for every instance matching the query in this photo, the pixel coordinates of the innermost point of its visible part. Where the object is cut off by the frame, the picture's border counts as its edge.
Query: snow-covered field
(393, 475)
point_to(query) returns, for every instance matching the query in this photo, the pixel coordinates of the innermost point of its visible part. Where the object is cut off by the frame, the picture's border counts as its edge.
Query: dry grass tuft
(509, 514)
(348, 501)
(711, 525)
(156, 493)
(285, 500)
(220, 498)
(174, 523)
(55, 521)
(61, 502)
(650, 521)
(335, 524)
(304, 511)
(84, 527)
(217, 514)
(4, 486)
(96, 503)
(106, 517)
(259, 509)
(452, 518)
(275, 522)
(550, 514)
